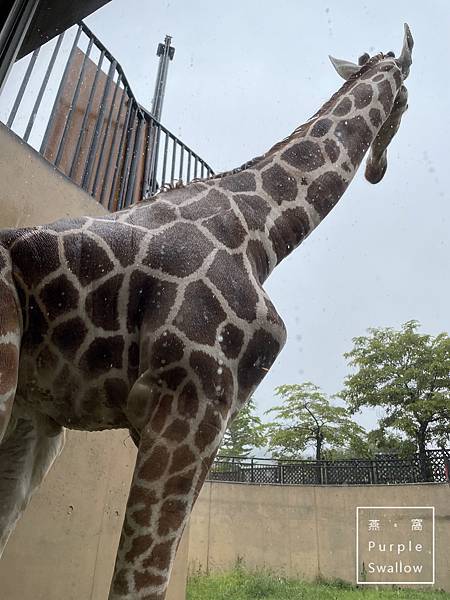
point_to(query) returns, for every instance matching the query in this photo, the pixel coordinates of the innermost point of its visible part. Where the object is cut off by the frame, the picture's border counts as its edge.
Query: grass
(242, 584)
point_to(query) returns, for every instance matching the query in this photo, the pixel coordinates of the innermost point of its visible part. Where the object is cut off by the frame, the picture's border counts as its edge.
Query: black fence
(381, 470)
(71, 100)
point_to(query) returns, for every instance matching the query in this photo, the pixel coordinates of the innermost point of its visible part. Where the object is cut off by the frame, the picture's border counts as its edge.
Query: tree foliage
(372, 444)
(380, 441)
(244, 433)
(407, 374)
(306, 418)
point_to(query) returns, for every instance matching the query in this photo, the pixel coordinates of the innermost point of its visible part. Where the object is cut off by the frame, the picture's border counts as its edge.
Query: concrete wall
(305, 531)
(32, 191)
(64, 546)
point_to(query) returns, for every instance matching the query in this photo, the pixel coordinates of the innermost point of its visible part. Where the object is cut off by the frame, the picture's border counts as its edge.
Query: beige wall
(64, 546)
(32, 191)
(305, 531)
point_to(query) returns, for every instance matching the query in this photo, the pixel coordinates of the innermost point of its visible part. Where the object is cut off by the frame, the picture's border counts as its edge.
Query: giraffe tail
(10, 336)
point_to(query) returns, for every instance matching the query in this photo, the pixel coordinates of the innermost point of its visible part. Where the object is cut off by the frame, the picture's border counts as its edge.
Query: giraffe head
(377, 160)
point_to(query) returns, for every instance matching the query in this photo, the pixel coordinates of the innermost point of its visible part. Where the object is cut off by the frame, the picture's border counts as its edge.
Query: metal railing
(380, 470)
(96, 132)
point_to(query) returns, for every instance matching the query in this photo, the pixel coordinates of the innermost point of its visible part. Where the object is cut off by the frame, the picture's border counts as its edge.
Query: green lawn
(240, 584)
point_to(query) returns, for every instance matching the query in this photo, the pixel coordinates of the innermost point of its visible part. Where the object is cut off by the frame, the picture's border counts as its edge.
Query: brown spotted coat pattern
(155, 318)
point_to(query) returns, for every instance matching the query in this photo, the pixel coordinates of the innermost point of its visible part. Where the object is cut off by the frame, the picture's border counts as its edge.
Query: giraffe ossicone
(155, 318)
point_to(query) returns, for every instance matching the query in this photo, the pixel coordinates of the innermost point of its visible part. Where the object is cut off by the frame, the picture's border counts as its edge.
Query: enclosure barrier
(96, 132)
(384, 469)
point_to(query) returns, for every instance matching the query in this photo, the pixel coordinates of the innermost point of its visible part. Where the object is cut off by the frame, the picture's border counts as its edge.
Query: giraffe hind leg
(27, 452)
(10, 326)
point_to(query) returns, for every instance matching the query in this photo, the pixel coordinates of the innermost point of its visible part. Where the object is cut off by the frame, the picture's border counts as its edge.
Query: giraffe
(155, 318)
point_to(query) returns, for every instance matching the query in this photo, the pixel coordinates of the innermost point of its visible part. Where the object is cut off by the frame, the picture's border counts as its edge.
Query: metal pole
(23, 85)
(98, 126)
(128, 147)
(105, 138)
(61, 87)
(119, 157)
(73, 104)
(166, 53)
(87, 114)
(13, 33)
(38, 101)
(134, 161)
(158, 79)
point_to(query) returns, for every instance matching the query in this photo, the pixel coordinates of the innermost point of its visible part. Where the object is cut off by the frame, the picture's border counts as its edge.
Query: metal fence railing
(385, 469)
(71, 100)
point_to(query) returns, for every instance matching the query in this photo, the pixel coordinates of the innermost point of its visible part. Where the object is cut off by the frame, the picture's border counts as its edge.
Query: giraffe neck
(286, 193)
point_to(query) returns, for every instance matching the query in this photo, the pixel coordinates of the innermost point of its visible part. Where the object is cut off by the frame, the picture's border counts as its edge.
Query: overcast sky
(245, 74)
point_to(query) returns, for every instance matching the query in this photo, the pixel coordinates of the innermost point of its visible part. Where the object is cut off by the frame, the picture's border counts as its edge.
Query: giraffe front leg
(174, 456)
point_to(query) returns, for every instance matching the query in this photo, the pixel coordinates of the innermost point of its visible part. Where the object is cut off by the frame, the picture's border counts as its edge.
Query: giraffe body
(155, 318)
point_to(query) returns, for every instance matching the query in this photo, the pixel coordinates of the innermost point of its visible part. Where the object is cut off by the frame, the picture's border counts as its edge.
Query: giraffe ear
(344, 68)
(405, 59)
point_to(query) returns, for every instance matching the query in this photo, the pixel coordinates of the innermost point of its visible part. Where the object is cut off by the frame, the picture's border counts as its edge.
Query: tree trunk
(425, 467)
(319, 442)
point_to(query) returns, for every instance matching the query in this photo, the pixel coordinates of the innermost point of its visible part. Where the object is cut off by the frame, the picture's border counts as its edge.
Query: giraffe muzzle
(376, 165)
(376, 169)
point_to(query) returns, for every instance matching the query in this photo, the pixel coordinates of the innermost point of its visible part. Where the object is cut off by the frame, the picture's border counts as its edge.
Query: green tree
(379, 441)
(374, 443)
(307, 418)
(244, 433)
(407, 374)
